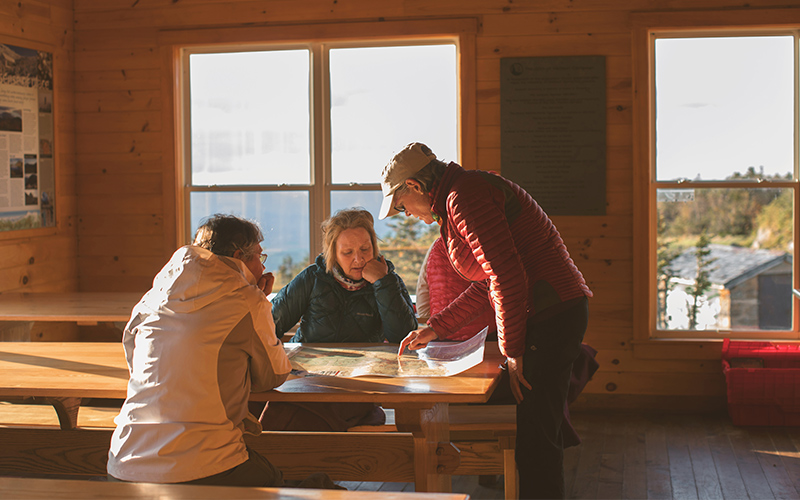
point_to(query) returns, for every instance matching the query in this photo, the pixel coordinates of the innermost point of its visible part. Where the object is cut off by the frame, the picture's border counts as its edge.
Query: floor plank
(731, 483)
(659, 485)
(707, 483)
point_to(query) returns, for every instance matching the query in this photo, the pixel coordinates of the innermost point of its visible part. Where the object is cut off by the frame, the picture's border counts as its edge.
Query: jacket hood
(194, 277)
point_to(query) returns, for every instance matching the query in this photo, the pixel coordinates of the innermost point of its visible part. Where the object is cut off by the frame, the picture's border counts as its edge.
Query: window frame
(319, 38)
(646, 28)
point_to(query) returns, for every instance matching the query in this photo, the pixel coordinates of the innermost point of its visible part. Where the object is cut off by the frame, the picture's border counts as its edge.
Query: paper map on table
(439, 359)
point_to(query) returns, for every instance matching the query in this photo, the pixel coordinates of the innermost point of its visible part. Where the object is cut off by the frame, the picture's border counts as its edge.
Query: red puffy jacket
(499, 238)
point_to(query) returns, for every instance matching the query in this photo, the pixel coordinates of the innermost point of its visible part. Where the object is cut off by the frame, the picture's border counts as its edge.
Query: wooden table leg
(67, 411)
(435, 457)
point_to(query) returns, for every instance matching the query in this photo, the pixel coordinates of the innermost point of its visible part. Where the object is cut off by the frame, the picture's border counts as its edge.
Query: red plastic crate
(768, 395)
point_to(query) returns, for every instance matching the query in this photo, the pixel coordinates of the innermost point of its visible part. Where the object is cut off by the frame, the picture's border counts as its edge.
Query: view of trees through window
(723, 255)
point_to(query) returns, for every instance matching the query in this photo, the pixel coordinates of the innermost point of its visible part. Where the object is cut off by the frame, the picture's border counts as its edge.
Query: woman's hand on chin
(375, 269)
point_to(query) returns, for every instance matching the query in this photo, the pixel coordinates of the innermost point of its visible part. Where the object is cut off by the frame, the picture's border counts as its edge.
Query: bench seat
(45, 489)
(44, 416)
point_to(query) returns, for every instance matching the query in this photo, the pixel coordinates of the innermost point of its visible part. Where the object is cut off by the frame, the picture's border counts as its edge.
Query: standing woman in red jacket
(499, 238)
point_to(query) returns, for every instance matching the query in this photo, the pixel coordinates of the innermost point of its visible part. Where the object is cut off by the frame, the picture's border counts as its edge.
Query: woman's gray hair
(223, 234)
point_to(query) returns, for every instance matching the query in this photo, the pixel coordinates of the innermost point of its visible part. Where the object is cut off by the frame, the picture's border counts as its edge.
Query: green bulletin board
(553, 131)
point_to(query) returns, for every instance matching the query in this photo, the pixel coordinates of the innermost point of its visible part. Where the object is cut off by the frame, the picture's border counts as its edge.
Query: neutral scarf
(347, 283)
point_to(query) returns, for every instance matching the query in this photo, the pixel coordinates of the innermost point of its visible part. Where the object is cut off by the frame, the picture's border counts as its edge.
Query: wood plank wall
(46, 259)
(126, 202)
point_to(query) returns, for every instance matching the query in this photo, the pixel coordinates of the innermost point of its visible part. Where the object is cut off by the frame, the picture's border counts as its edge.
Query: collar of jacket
(442, 189)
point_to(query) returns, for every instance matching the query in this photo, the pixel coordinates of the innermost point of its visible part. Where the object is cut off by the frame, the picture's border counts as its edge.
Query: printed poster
(27, 170)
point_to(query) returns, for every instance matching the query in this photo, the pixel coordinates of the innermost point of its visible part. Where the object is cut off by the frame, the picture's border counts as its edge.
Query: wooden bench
(345, 457)
(34, 444)
(485, 435)
(45, 416)
(46, 489)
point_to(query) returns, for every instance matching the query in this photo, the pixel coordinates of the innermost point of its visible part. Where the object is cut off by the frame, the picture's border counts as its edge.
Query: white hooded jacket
(196, 345)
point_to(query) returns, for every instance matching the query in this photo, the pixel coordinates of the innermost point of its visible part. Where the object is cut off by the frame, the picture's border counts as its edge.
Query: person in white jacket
(196, 345)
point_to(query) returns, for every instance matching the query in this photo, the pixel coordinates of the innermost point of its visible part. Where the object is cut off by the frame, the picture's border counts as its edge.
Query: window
(718, 178)
(288, 133)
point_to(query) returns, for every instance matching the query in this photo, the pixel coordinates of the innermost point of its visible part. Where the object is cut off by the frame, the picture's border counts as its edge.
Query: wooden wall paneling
(604, 44)
(556, 23)
(607, 271)
(609, 293)
(112, 266)
(131, 184)
(134, 225)
(131, 143)
(598, 248)
(117, 100)
(599, 226)
(99, 163)
(618, 73)
(110, 122)
(50, 275)
(119, 79)
(25, 251)
(165, 13)
(445, 7)
(119, 283)
(610, 316)
(113, 204)
(139, 244)
(602, 336)
(624, 360)
(116, 59)
(116, 38)
(667, 383)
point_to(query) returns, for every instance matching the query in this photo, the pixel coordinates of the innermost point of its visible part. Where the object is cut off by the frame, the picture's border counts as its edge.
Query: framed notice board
(553, 131)
(27, 130)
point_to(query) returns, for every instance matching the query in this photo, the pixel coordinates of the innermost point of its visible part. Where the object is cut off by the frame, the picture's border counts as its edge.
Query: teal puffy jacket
(329, 313)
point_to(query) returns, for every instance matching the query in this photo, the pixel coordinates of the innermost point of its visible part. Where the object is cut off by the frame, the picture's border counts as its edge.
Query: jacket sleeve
(292, 301)
(269, 364)
(394, 306)
(481, 221)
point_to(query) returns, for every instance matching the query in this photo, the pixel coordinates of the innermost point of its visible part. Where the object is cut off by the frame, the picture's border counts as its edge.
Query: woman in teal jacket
(350, 294)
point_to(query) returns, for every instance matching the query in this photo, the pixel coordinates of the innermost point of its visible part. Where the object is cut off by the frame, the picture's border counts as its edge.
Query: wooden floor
(666, 457)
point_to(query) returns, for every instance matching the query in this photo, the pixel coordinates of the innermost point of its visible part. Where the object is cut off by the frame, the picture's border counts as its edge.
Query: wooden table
(85, 308)
(107, 309)
(64, 373)
(60, 489)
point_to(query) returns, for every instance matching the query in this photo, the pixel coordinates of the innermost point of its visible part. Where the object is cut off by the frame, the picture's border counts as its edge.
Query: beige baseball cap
(403, 165)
